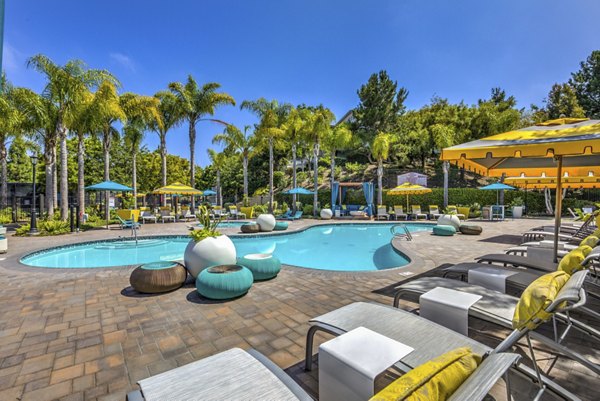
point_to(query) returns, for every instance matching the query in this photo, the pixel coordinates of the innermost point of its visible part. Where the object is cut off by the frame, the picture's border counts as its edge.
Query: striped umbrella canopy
(551, 182)
(552, 148)
(177, 189)
(409, 189)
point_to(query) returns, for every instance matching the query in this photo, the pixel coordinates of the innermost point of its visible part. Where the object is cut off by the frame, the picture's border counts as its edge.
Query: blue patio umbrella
(299, 191)
(208, 192)
(497, 186)
(108, 186)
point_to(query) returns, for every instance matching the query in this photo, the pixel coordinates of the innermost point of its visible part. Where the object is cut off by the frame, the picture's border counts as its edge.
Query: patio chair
(416, 212)
(434, 212)
(497, 212)
(399, 213)
(427, 338)
(235, 213)
(165, 215)
(234, 374)
(454, 210)
(287, 215)
(499, 308)
(218, 212)
(295, 216)
(126, 219)
(147, 215)
(382, 213)
(187, 214)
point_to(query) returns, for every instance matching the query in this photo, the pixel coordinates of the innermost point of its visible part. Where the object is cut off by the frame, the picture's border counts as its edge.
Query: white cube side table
(349, 364)
(447, 307)
(490, 277)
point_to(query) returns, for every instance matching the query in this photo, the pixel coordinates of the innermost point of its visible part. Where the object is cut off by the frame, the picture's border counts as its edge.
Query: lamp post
(33, 225)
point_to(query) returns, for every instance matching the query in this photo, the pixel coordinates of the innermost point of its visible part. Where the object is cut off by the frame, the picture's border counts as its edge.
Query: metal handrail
(406, 234)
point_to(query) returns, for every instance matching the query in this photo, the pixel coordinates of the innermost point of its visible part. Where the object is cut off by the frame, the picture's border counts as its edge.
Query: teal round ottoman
(264, 266)
(224, 281)
(443, 230)
(280, 226)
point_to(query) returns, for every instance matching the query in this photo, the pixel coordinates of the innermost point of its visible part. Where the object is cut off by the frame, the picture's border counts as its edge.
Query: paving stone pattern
(84, 334)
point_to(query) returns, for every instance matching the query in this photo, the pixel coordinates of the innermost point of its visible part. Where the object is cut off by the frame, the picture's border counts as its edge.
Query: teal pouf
(224, 281)
(446, 231)
(281, 226)
(263, 266)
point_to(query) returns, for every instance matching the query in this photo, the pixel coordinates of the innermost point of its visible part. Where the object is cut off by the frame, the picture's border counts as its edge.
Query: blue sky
(308, 51)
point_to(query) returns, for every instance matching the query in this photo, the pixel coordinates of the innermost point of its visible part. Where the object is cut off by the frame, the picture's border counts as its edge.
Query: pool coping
(414, 259)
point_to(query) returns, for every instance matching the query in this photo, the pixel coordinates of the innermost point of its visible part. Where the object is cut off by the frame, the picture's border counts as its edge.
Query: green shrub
(53, 227)
(307, 210)
(22, 231)
(208, 228)
(258, 209)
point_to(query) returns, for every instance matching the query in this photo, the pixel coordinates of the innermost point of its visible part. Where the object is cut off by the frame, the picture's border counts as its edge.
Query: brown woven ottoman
(470, 229)
(151, 278)
(250, 228)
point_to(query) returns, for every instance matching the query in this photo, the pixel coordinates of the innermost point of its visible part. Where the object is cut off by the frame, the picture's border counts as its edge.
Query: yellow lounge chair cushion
(125, 214)
(536, 298)
(571, 262)
(248, 211)
(590, 240)
(435, 380)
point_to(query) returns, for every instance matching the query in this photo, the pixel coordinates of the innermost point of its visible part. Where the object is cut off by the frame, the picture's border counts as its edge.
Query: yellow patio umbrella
(177, 189)
(551, 182)
(409, 189)
(552, 148)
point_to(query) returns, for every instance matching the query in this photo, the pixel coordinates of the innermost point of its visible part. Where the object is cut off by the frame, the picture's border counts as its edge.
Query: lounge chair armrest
(135, 395)
(483, 379)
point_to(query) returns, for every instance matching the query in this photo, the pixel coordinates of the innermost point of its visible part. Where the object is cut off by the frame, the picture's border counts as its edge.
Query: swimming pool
(230, 224)
(338, 247)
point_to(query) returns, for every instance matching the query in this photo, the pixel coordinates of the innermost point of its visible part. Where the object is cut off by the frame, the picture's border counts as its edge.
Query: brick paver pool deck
(83, 334)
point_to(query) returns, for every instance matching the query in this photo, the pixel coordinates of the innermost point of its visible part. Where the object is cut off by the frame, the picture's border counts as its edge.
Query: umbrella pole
(558, 208)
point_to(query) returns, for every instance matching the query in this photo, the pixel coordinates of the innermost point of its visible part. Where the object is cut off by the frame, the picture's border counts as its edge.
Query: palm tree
(268, 131)
(238, 142)
(380, 150)
(316, 129)
(10, 123)
(218, 161)
(81, 126)
(195, 104)
(293, 129)
(65, 88)
(142, 113)
(337, 138)
(169, 113)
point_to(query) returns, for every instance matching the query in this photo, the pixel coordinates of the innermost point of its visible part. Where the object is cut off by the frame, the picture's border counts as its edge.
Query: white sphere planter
(266, 222)
(209, 252)
(326, 214)
(449, 220)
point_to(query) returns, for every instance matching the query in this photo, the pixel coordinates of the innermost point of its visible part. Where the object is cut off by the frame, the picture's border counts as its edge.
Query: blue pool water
(230, 224)
(344, 247)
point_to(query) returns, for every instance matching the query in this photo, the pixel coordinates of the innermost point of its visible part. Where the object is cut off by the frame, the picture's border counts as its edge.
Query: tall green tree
(380, 150)
(381, 102)
(562, 101)
(10, 123)
(19, 165)
(294, 133)
(238, 142)
(586, 82)
(169, 114)
(195, 103)
(268, 131)
(65, 87)
(337, 138)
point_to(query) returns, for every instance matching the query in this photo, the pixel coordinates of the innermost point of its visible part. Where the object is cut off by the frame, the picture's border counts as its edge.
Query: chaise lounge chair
(454, 210)
(399, 213)
(235, 213)
(498, 308)
(382, 213)
(434, 212)
(165, 214)
(416, 212)
(147, 215)
(295, 216)
(427, 338)
(125, 218)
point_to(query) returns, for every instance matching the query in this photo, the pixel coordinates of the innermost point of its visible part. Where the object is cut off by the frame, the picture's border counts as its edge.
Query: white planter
(326, 214)
(3, 245)
(266, 222)
(449, 220)
(517, 212)
(209, 252)
(2, 230)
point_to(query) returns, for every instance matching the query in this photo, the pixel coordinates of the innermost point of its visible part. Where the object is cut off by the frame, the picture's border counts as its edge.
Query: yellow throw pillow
(536, 298)
(590, 240)
(571, 262)
(435, 380)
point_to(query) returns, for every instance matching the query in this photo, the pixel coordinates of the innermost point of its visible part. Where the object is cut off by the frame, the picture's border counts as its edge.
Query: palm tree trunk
(192, 134)
(270, 175)
(134, 179)
(81, 175)
(294, 180)
(106, 149)
(54, 178)
(445, 167)
(380, 182)
(316, 177)
(219, 194)
(48, 161)
(245, 167)
(332, 166)
(64, 174)
(163, 159)
(4, 172)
